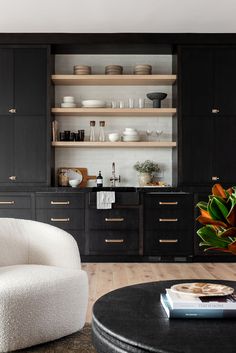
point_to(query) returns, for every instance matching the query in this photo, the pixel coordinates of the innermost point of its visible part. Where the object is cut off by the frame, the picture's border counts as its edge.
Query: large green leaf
(214, 210)
(202, 205)
(209, 236)
(221, 206)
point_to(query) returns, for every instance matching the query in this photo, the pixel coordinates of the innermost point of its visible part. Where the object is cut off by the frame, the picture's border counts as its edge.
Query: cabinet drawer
(121, 198)
(113, 242)
(14, 202)
(22, 214)
(65, 219)
(168, 243)
(126, 219)
(168, 219)
(172, 202)
(60, 201)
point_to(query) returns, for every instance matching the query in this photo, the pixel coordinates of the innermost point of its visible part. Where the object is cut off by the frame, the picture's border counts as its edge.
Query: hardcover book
(195, 313)
(181, 301)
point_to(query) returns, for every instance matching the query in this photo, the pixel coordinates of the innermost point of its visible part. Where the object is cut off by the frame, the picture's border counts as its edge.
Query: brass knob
(215, 110)
(12, 110)
(215, 178)
(12, 177)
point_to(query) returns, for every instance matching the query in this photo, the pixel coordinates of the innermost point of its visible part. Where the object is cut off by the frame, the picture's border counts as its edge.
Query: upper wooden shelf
(114, 80)
(114, 111)
(114, 144)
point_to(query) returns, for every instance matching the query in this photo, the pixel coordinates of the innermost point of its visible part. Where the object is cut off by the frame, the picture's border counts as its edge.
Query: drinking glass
(159, 133)
(149, 134)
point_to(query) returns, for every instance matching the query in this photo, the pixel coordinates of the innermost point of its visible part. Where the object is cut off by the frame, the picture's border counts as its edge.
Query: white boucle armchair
(43, 291)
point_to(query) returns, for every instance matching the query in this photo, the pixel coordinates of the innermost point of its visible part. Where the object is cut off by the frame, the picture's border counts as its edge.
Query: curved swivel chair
(43, 291)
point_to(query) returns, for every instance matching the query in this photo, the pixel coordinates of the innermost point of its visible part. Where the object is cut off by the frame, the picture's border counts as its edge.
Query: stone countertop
(26, 189)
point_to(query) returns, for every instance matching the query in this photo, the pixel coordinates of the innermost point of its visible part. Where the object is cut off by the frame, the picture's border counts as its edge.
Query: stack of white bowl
(82, 70)
(93, 103)
(68, 102)
(143, 69)
(130, 135)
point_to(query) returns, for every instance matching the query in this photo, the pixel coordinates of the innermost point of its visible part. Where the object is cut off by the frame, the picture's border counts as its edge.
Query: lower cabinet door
(113, 242)
(65, 219)
(16, 213)
(168, 243)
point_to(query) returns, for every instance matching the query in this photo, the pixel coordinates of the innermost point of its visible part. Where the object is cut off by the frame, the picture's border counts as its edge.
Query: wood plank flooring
(104, 277)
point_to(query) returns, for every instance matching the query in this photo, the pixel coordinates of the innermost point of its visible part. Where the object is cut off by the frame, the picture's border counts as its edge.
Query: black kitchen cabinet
(63, 210)
(17, 205)
(114, 231)
(24, 118)
(168, 225)
(207, 115)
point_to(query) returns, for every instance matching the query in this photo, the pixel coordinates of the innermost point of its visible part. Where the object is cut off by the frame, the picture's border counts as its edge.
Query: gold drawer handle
(215, 110)
(114, 219)
(114, 241)
(168, 240)
(60, 202)
(7, 202)
(60, 219)
(12, 177)
(168, 203)
(12, 110)
(168, 219)
(215, 178)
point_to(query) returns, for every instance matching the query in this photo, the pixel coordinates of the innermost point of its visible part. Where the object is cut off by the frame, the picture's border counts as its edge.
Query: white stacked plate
(93, 103)
(130, 135)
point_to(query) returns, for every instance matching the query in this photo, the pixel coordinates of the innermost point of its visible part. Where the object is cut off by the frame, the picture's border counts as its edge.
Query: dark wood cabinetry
(17, 205)
(114, 231)
(207, 115)
(65, 211)
(168, 224)
(24, 120)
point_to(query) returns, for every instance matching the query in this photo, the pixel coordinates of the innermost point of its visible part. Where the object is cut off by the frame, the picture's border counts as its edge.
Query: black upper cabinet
(207, 115)
(197, 81)
(208, 77)
(24, 120)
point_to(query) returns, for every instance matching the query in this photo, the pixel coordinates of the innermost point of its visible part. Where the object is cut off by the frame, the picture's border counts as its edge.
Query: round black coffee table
(131, 319)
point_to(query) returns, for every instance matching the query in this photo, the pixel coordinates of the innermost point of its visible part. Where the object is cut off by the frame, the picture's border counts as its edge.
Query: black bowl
(156, 97)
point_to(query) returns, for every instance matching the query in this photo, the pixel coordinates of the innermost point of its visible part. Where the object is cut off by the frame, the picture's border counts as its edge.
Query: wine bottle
(99, 180)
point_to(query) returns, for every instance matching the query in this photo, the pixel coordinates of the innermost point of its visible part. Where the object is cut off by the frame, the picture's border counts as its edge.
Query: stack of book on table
(186, 304)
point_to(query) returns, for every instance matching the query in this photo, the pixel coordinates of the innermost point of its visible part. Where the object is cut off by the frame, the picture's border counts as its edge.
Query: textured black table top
(132, 319)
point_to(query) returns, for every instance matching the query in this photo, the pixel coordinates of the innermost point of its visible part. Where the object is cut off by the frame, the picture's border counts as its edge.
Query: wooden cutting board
(83, 171)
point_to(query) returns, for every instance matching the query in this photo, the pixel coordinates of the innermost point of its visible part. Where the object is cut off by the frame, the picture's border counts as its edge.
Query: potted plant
(146, 170)
(218, 217)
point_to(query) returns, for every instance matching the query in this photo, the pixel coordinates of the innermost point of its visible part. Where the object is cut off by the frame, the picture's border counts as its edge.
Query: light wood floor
(104, 277)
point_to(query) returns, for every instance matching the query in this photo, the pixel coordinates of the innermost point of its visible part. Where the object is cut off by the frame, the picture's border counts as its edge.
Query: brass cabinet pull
(215, 178)
(114, 219)
(12, 110)
(168, 240)
(114, 241)
(12, 177)
(168, 203)
(215, 110)
(60, 202)
(168, 219)
(7, 202)
(60, 219)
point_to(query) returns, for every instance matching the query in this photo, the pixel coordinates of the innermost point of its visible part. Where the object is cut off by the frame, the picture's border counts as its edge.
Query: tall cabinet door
(224, 80)
(6, 149)
(6, 80)
(197, 81)
(30, 149)
(30, 81)
(196, 162)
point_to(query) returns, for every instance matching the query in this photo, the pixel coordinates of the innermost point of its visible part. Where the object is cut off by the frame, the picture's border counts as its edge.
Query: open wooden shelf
(114, 80)
(114, 144)
(114, 111)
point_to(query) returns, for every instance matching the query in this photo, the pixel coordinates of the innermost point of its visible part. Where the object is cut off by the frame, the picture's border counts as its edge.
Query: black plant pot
(157, 97)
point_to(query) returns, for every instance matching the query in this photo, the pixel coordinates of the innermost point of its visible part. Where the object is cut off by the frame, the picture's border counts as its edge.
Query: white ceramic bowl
(93, 102)
(130, 133)
(74, 182)
(129, 129)
(68, 99)
(68, 105)
(114, 137)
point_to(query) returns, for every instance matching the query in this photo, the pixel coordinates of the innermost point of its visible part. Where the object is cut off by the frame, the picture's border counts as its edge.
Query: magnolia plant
(218, 216)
